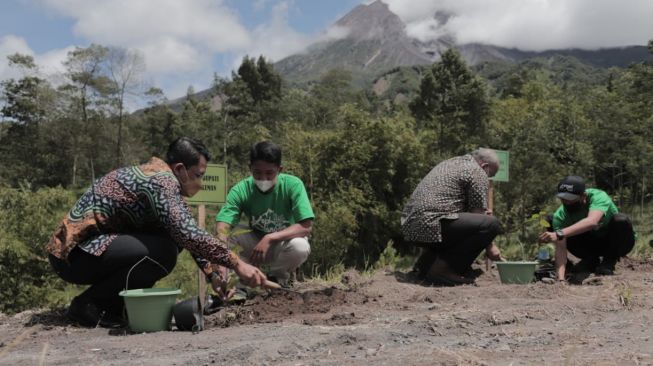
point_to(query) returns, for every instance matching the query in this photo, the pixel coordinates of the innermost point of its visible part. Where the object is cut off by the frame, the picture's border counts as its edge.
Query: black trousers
(619, 240)
(107, 273)
(463, 239)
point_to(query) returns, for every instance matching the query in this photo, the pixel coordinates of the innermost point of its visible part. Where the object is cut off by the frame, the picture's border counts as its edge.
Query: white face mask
(264, 185)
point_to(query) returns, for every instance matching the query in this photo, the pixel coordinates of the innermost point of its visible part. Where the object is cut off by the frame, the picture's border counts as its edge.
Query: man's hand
(548, 237)
(260, 251)
(249, 275)
(493, 253)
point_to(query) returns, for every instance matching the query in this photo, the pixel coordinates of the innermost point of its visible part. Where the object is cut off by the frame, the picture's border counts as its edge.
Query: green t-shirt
(597, 201)
(286, 204)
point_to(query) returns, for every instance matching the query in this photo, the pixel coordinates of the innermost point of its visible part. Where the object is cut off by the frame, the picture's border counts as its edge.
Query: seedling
(626, 297)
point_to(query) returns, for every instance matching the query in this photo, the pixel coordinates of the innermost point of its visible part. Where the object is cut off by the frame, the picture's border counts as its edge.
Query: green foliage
(365, 171)
(260, 79)
(334, 232)
(27, 220)
(453, 102)
(547, 138)
(642, 222)
(390, 258)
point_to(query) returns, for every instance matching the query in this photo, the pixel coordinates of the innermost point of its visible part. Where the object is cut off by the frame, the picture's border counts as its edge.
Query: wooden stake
(490, 207)
(201, 276)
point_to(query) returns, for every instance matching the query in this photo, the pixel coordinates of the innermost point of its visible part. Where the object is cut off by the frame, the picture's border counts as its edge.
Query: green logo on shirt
(269, 222)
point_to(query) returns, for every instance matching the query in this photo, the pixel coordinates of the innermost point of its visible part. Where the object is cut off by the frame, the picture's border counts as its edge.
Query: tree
(158, 125)
(87, 89)
(622, 133)
(454, 102)
(249, 107)
(125, 68)
(367, 168)
(29, 103)
(333, 90)
(262, 82)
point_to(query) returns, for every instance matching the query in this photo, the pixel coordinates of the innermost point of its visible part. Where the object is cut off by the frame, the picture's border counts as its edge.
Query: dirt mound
(280, 305)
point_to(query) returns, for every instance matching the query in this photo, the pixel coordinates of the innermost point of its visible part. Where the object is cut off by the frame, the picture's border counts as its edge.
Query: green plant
(329, 275)
(390, 258)
(626, 296)
(27, 219)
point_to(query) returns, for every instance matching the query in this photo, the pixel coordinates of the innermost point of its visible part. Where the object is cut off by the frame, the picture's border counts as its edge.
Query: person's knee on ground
(290, 256)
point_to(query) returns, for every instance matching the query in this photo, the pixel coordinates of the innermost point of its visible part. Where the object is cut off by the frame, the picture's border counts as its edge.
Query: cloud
(259, 5)
(276, 39)
(206, 23)
(334, 32)
(531, 24)
(10, 45)
(187, 36)
(173, 35)
(49, 63)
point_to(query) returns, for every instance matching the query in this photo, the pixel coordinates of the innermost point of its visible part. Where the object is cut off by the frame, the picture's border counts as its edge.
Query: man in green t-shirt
(589, 226)
(279, 212)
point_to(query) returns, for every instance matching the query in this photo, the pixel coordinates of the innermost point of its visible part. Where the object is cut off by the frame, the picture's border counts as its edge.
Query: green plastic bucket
(150, 309)
(516, 272)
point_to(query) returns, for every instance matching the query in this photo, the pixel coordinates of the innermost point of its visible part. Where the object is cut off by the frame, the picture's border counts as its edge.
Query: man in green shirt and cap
(589, 226)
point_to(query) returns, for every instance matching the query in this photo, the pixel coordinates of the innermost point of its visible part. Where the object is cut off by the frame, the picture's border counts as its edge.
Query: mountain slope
(377, 42)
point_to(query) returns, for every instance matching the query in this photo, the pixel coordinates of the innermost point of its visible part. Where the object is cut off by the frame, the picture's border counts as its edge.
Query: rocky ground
(381, 320)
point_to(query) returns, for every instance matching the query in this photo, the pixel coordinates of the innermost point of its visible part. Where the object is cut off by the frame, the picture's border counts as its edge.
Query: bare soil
(381, 320)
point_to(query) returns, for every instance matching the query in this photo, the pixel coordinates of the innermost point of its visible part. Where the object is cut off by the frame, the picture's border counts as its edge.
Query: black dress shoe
(606, 268)
(87, 314)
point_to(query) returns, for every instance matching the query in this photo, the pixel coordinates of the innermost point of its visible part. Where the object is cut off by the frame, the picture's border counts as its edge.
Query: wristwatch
(560, 234)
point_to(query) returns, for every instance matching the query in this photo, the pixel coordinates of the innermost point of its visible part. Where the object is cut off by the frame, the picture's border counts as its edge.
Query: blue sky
(183, 42)
(48, 29)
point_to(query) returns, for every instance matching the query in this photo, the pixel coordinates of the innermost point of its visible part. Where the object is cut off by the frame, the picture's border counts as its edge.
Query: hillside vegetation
(359, 152)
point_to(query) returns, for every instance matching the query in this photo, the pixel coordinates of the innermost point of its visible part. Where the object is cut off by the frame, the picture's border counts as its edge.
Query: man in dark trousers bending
(447, 216)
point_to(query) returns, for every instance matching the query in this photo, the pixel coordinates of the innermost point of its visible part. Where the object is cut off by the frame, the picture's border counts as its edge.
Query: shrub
(27, 219)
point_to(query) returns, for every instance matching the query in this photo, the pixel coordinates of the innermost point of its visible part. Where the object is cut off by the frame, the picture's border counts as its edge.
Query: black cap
(571, 188)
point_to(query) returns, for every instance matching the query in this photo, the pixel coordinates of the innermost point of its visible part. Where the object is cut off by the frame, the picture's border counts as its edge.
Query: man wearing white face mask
(279, 212)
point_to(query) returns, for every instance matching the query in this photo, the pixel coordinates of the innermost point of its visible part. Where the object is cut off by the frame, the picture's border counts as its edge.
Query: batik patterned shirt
(455, 185)
(137, 199)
